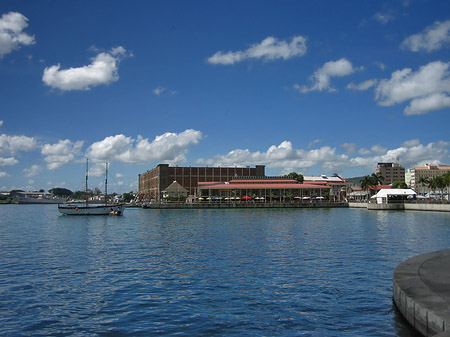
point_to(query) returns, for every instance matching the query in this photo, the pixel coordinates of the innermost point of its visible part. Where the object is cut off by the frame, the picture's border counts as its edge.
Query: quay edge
(422, 294)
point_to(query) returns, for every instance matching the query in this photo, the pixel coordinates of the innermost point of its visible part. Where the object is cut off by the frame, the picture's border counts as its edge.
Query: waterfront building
(175, 190)
(391, 172)
(156, 180)
(262, 189)
(429, 171)
(338, 186)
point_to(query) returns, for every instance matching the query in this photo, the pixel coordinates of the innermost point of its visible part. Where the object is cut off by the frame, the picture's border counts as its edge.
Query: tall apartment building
(156, 180)
(429, 171)
(391, 172)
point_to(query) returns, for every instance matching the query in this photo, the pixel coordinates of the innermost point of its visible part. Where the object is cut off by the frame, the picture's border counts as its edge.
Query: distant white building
(392, 195)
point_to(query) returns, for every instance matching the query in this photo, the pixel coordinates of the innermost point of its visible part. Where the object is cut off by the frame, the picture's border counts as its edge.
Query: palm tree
(365, 184)
(423, 181)
(377, 179)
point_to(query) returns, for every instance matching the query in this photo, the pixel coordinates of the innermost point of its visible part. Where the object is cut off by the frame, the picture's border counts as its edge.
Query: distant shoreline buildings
(165, 182)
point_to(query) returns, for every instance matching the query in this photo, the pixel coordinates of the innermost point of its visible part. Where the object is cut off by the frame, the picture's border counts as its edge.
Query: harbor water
(242, 272)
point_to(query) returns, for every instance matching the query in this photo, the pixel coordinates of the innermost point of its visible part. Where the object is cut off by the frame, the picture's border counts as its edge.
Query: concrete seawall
(422, 292)
(247, 205)
(401, 206)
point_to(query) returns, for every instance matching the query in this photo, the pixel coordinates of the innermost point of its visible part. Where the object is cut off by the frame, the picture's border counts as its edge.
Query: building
(391, 172)
(338, 185)
(156, 180)
(262, 189)
(429, 171)
(175, 191)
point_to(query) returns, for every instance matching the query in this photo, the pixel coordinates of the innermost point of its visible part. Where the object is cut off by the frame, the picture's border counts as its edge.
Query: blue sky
(316, 87)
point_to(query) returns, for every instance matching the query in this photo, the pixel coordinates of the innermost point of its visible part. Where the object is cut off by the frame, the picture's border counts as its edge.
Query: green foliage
(297, 176)
(81, 195)
(399, 184)
(127, 197)
(61, 192)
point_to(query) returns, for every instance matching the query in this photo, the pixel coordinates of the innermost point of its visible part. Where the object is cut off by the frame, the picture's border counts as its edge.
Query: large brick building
(154, 181)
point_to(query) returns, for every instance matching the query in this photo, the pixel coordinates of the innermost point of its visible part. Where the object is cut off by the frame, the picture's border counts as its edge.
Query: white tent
(385, 194)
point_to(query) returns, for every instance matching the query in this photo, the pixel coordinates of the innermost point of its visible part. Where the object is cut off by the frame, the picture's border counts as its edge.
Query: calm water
(319, 272)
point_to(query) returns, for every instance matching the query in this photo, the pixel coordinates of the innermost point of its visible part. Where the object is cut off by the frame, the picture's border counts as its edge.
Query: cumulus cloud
(287, 158)
(61, 153)
(169, 147)
(13, 144)
(34, 170)
(321, 78)
(12, 36)
(102, 70)
(363, 85)
(10, 145)
(4, 174)
(427, 89)
(9, 161)
(432, 38)
(423, 105)
(1, 122)
(269, 49)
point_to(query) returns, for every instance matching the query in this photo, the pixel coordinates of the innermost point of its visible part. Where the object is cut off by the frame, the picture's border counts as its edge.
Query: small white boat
(86, 209)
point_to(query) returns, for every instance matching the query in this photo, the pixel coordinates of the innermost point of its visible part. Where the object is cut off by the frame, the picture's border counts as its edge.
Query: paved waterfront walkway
(422, 292)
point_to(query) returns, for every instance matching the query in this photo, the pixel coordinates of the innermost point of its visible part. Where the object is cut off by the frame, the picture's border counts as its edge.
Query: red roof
(257, 186)
(264, 181)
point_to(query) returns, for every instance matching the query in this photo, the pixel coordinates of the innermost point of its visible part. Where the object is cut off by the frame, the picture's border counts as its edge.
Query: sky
(315, 87)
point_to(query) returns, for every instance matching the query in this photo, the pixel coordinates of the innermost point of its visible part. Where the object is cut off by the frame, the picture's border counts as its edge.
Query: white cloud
(384, 18)
(286, 158)
(1, 122)
(4, 174)
(321, 78)
(423, 105)
(362, 86)
(427, 89)
(8, 161)
(12, 36)
(269, 49)
(34, 170)
(119, 175)
(159, 90)
(102, 70)
(61, 153)
(10, 145)
(13, 144)
(169, 147)
(434, 37)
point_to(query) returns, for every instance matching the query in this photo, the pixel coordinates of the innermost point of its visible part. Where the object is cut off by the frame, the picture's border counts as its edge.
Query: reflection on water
(319, 272)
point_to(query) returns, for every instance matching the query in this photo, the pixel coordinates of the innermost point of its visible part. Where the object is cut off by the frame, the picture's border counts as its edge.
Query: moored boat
(111, 209)
(86, 209)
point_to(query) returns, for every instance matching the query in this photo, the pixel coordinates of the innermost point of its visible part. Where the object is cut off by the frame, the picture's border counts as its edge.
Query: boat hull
(113, 209)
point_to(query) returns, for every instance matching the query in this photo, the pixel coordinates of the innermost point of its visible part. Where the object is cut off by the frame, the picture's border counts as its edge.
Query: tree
(365, 184)
(377, 178)
(399, 184)
(297, 176)
(61, 192)
(127, 197)
(423, 181)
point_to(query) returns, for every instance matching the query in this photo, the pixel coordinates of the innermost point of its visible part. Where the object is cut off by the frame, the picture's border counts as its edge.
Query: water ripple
(208, 272)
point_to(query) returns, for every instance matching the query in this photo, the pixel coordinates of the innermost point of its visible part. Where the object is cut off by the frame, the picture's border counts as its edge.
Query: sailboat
(86, 209)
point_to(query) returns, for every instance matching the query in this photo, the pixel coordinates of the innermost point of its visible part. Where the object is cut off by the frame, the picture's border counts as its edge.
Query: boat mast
(106, 184)
(86, 187)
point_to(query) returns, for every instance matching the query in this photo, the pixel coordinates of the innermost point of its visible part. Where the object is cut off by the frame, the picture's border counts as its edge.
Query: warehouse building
(153, 182)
